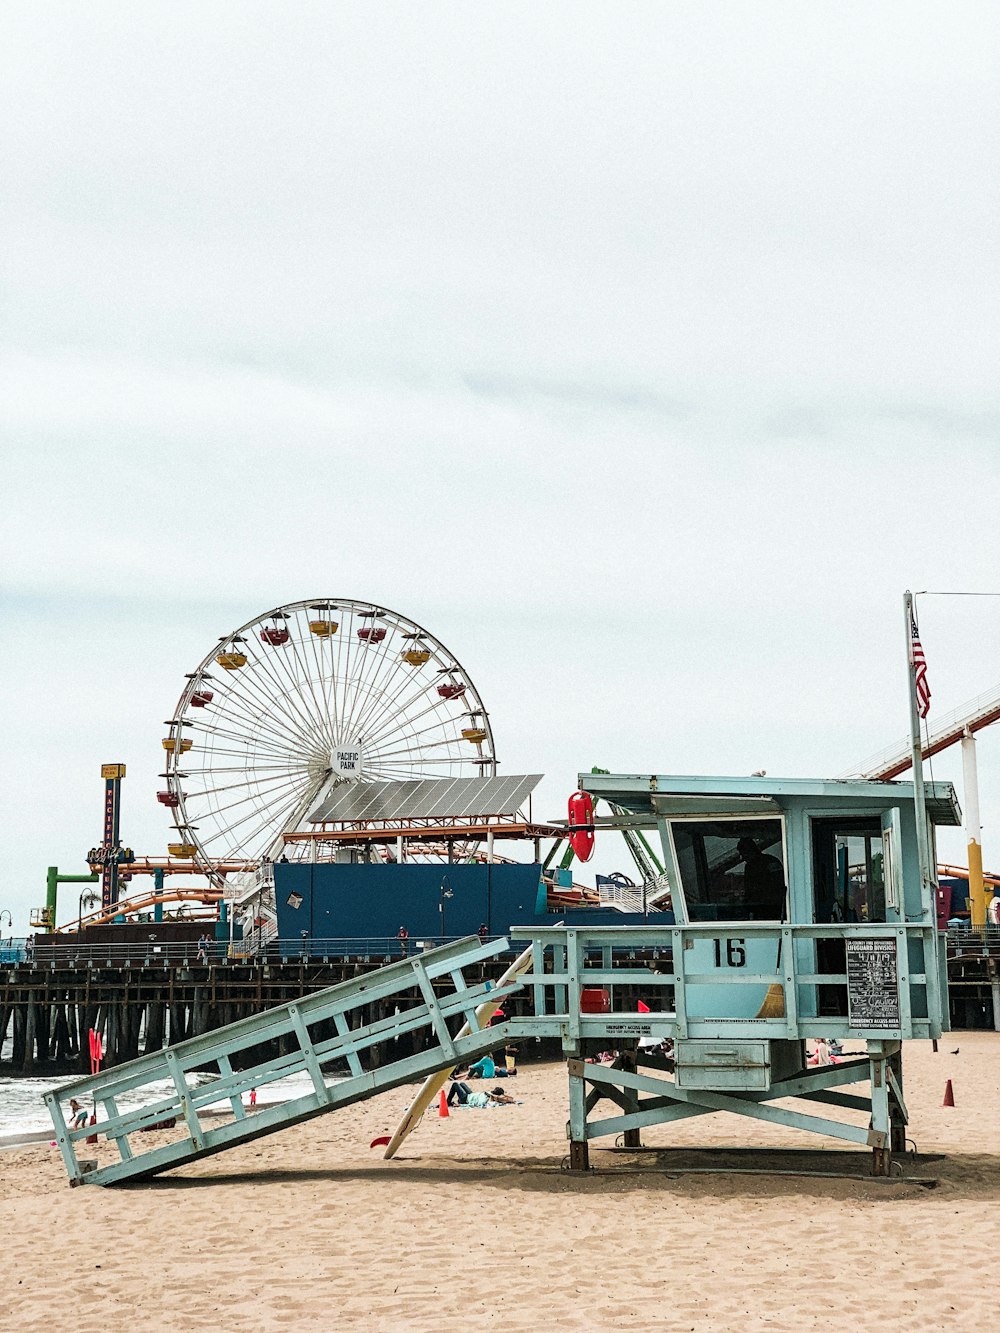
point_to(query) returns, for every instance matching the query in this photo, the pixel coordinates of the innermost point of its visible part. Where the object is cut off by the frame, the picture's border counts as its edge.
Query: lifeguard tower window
(848, 871)
(731, 869)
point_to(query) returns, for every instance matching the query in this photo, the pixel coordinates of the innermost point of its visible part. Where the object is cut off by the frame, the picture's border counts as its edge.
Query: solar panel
(428, 798)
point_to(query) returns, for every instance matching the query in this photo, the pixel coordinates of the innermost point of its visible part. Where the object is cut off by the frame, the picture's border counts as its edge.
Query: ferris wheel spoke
(250, 782)
(248, 689)
(317, 646)
(299, 690)
(377, 682)
(272, 667)
(373, 660)
(411, 733)
(225, 751)
(195, 795)
(254, 796)
(442, 718)
(243, 692)
(384, 708)
(294, 736)
(436, 701)
(371, 718)
(272, 817)
(191, 771)
(333, 647)
(304, 673)
(253, 799)
(259, 743)
(357, 661)
(237, 710)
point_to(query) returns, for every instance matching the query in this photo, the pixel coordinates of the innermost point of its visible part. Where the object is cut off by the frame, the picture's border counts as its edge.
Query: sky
(645, 353)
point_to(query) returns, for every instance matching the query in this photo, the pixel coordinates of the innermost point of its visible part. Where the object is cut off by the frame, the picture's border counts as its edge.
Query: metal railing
(376, 950)
(968, 934)
(706, 983)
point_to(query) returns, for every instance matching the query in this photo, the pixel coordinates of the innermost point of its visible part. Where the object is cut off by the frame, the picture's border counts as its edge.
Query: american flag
(919, 670)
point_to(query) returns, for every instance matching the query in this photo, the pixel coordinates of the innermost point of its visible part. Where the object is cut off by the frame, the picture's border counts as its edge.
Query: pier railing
(376, 950)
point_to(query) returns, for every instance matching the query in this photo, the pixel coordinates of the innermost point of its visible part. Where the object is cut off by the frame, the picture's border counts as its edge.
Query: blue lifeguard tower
(803, 909)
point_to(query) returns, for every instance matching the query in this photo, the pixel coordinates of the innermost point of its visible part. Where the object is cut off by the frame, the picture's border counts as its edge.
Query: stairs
(329, 1025)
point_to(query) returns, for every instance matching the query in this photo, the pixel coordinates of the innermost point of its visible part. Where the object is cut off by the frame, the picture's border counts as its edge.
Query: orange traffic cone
(949, 1096)
(443, 1111)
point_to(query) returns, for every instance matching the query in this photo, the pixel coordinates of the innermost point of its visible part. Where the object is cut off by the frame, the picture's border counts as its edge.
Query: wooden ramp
(316, 1030)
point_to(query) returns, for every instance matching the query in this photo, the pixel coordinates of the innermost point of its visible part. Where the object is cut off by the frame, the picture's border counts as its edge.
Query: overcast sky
(645, 353)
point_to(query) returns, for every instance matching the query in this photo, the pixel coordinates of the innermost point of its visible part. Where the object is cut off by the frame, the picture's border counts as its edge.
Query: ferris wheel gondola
(299, 699)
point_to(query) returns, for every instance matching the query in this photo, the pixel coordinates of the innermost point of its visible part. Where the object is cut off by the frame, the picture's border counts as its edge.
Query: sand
(476, 1225)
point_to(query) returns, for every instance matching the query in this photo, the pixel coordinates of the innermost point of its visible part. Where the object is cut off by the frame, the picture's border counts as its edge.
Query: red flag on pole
(919, 664)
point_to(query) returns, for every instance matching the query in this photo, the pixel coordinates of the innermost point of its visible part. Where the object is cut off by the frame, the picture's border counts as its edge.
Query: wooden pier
(47, 1008)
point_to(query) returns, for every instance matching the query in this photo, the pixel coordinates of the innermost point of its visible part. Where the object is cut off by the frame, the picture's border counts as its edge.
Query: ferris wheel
(296, 700)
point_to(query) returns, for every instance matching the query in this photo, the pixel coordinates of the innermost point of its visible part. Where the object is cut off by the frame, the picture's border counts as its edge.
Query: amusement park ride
(331, 771)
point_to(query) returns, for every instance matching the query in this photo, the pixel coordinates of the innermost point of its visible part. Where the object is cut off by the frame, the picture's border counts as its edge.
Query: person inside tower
(764, 881)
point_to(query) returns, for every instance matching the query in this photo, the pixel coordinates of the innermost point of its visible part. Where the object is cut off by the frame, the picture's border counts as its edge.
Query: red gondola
(201, 697)
(169, 798)
(275, 635)
(581, 813)
(451, 690)
(372, 634)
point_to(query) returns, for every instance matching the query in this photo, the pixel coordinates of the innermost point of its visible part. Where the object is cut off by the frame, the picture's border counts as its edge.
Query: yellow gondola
(231, 661)
(416, 656)
(474, 734)
(324, 628)
(176, 744)
(184, 849)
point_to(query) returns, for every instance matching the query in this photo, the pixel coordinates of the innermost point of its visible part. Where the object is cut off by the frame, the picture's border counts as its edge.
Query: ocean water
(22, 1108)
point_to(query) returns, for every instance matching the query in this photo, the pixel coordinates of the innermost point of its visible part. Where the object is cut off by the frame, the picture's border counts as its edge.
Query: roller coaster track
(896, 759)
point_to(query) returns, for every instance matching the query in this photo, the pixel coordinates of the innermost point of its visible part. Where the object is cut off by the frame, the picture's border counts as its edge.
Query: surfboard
(433, 1083)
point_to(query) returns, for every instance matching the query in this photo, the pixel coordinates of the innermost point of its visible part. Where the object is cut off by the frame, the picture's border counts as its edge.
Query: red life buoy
(581, 812)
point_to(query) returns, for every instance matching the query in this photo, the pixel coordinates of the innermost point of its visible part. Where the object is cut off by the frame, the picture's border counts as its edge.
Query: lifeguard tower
(803, 909)
(800, 909)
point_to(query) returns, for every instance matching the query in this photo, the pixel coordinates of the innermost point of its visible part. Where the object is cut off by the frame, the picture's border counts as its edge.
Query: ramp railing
(334, 1025)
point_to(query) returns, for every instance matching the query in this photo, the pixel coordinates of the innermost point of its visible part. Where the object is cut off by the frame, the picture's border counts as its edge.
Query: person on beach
(460, 1094)
(484, 1068)
(821, 1055)
(79, 1114)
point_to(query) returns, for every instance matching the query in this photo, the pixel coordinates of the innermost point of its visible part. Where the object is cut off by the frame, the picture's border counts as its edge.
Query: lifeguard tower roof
(660, 794)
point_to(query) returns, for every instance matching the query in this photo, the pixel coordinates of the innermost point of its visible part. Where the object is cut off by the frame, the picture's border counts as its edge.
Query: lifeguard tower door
(849, 888)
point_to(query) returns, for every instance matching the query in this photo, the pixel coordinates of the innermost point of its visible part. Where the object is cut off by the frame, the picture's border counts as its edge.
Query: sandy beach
(476, 1224)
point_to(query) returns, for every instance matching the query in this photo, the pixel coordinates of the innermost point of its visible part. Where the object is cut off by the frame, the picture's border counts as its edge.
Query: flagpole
(927, 903)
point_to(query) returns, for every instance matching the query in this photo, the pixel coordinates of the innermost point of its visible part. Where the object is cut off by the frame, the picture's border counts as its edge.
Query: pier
(142, 1002)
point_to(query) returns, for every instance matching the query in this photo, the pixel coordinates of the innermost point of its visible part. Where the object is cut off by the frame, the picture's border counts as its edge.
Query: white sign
(347, 763)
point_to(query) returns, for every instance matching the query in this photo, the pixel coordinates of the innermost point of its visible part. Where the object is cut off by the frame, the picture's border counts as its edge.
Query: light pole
(89, 897)
(10, 921)
(443, 893)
